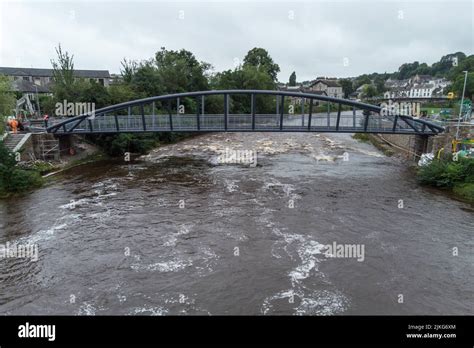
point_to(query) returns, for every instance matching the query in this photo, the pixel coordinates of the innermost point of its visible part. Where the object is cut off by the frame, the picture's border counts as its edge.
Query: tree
(129, 68)
(369, 91)
(361, 80)
(92, 92)
(292, 81)
(146, 80)
(466, 64)
(63, 75)
(379, 83)
(7, 98)
(120, 93)
(446, 64)
(458, 84)
(243, 77)
(347, 87)
(259, 58)
(407, 70)
(180, 71)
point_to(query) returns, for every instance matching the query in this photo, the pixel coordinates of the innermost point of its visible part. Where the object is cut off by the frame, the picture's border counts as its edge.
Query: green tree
(146, 81)
(180, 71)
(379, 83)
(458, 84)
(292, 81)
(407, 70)
(260, 58)
(92, 92)
(361, 80)
(369, 91)
(245, 77)
(63, 76)
(347, 87)
(466, 64)
(129, 68)
(120, 93)
(445, 65)
(7, 100)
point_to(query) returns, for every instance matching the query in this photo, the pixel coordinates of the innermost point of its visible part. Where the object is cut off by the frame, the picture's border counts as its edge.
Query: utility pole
(462, 103)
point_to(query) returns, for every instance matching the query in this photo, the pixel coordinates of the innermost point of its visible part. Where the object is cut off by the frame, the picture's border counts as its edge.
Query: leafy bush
(118, 144)
(447, 173)
(14, 179)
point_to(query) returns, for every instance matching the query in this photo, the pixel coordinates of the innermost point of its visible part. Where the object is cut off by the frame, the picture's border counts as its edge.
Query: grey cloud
(314, 42)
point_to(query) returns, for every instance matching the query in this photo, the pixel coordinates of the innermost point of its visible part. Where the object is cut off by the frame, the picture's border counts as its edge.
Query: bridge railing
(144, 116)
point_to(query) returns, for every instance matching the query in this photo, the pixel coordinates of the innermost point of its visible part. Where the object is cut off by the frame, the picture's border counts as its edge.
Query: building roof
(329, 83)
(49, 72)
(28, 87)
(301, 89)
(307, 90)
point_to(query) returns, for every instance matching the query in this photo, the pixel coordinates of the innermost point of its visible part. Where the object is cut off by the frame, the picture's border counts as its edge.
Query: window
(26, 78)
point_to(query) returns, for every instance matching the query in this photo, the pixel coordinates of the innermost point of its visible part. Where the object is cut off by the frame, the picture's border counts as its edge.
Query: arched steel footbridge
(243, 111)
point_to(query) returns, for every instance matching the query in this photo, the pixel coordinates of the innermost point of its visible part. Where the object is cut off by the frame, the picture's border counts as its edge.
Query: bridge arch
(341, 116)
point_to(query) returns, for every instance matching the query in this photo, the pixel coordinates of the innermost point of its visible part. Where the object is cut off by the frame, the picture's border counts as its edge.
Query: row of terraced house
(419, 86)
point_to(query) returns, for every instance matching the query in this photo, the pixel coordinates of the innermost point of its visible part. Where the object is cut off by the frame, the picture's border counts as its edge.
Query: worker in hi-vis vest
(13, 123)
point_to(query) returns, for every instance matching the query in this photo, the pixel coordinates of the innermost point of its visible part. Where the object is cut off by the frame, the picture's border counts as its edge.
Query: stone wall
(405, 145)
(412, 146)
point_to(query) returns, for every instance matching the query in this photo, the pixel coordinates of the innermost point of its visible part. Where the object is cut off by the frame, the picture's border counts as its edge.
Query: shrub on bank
(446, 173)
(14, 179)
(118, 144)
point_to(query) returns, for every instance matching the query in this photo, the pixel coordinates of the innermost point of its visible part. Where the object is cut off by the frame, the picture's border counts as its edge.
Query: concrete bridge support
(420, 145)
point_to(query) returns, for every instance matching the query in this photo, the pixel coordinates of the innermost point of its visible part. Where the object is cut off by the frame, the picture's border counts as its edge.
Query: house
(329, 86)
(299, 88)
(32, 80)
(419, 86)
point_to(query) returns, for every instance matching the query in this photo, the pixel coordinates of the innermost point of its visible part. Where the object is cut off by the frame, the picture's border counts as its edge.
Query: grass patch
(465, 191)
(363, 137)
(379, 144)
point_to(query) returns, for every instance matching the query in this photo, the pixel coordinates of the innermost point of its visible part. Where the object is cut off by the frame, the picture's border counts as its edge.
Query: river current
(180, 232)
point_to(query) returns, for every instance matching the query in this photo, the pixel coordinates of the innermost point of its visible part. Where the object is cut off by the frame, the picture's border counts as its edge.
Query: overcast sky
(313, 38)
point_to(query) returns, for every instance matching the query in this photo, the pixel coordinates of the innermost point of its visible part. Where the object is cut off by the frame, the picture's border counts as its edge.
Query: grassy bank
(455, 176)
(379, 144)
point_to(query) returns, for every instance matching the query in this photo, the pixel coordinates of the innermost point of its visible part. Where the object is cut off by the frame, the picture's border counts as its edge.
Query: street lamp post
(462, 103)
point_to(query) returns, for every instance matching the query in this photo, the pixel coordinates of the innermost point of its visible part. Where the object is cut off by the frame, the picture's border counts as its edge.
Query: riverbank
(86, 151)
(381, 145)
(454, 178)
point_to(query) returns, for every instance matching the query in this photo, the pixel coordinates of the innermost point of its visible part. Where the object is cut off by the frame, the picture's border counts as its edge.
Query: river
(178, 232)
